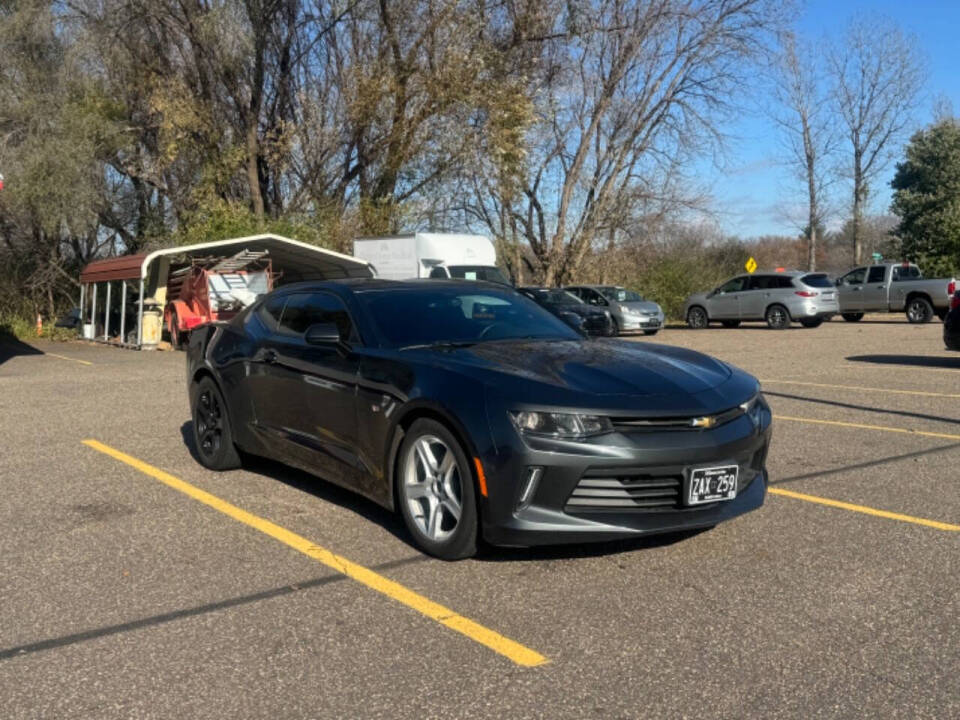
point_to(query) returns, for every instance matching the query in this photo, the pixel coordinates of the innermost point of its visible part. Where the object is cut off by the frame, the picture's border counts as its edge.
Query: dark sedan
(572, 310)
(472, 410)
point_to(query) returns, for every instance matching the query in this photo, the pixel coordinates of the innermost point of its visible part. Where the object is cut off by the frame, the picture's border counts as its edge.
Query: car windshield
(454, 315)
(619, 294)
(557, 297)
(818, 281)
(478, 272)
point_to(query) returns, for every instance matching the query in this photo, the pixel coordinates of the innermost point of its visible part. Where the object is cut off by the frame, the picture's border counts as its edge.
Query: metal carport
(294, 261)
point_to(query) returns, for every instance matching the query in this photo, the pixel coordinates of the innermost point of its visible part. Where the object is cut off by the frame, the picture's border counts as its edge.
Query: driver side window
(735, 285)
(305, 309)
(854, 277)
(594, 298)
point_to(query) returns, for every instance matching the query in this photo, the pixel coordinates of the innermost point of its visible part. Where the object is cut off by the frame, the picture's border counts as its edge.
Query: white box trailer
(430, 255)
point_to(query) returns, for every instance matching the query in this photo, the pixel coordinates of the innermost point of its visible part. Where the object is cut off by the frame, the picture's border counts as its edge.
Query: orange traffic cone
(39, 325)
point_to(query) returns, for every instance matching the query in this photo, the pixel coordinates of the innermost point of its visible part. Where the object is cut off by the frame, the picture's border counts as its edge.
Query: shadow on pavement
(313, 485)
(863, 408)
(909, 360)
(390, 521)
(11, 347)
(583, 550)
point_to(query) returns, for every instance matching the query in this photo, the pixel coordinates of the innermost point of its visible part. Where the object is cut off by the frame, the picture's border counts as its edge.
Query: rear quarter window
(819, 280)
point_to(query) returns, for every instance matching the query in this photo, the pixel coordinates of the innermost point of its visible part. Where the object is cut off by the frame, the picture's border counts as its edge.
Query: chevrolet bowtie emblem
(703, 422)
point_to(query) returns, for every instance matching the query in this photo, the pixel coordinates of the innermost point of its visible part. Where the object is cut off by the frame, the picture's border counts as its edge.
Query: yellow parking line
(516, 652)
(866, 510)
(860, 388)
(64, 357)
(881, 428)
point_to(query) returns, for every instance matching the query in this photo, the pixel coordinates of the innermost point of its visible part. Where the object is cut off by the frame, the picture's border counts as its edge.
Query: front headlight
(625, 309)
(560, 425)
(753, 407)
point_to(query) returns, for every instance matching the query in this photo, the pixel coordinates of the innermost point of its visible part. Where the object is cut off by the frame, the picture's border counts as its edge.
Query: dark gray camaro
(470, 409)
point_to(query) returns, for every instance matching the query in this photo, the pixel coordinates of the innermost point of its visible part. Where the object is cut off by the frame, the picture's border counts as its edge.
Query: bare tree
(803, 115)
(629, 92)
(877, 72)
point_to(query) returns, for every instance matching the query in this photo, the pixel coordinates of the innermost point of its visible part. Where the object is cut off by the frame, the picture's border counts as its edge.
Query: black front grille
(659, 424)
(627, 489)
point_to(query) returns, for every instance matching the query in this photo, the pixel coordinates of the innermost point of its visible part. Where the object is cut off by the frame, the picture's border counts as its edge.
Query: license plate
(712, 484)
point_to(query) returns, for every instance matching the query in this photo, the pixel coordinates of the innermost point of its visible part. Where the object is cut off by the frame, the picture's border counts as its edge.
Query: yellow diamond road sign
(751, 265)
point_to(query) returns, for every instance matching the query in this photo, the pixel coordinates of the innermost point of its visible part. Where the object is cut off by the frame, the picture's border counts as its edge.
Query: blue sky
(754, 191)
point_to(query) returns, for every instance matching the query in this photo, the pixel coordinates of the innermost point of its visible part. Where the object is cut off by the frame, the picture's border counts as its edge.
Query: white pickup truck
(893, 287)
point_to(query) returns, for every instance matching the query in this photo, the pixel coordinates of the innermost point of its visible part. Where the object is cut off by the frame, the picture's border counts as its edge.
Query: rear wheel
(211, 427)
(731, 323)
(777, 317)
(852, 317)
(435, 491)
(697, 318)
(919, 310)
(811, 322)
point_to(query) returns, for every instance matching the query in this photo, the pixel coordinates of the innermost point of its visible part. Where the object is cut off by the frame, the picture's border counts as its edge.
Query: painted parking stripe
(64, 357)
(859, 388)
(519, 654)
(864, 509)
(861, 426)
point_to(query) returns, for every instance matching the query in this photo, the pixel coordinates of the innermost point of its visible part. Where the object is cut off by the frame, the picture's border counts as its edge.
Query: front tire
(919, 310)
(435, 491)
(777, 317)
(852, 317)
(697, 318)
(212, 434)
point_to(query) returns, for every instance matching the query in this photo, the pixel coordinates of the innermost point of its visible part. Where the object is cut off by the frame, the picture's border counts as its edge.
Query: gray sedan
(778, 298)
(629, 311)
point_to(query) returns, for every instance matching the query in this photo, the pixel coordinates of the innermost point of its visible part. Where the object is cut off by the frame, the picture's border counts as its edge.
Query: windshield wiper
(441, 345)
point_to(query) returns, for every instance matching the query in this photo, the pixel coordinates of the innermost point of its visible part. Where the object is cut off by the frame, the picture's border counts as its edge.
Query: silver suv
(778, 298)
(628, 310)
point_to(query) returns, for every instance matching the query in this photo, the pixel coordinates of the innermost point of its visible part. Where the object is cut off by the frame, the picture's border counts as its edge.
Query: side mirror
(572, 319)
(322, 334)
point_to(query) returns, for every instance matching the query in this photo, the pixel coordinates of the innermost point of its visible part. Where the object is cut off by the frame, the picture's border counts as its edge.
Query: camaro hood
(602, 373)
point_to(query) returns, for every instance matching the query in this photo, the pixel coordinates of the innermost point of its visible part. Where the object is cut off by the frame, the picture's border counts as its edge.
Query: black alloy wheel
(697, 318)
(211, 428)
(919, 310)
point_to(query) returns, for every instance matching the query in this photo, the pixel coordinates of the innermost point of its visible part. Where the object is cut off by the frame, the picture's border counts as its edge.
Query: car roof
(357, 285)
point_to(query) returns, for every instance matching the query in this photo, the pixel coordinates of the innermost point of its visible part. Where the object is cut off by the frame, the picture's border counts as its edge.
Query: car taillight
(806, 293)
(951, 287)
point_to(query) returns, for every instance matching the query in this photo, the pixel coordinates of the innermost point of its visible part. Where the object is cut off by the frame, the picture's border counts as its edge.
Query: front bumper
(642, 322)
(663, 458)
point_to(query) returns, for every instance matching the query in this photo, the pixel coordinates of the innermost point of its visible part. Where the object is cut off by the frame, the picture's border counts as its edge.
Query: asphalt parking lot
(134, 583)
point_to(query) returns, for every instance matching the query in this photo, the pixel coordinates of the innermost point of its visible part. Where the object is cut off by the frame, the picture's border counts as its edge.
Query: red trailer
(214, 288)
